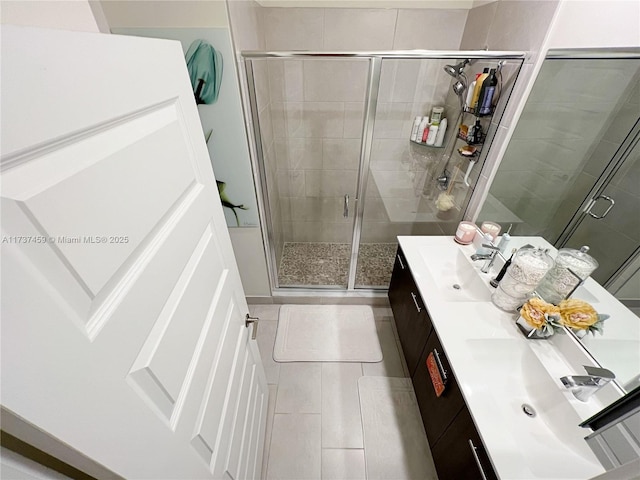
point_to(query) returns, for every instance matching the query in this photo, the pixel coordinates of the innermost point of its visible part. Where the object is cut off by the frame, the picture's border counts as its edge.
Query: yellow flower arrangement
(536, 312)
(577, 314)
(542, 319)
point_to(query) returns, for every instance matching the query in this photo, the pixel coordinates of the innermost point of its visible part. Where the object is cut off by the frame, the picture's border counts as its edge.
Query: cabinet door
(409, 312)
(437, 412)
(460, 454)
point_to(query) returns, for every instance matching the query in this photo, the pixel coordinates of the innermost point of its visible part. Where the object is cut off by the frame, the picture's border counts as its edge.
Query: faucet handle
(599, 372)
(490, 246)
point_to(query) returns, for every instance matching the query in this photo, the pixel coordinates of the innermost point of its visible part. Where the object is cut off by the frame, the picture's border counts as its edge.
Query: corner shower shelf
(473, 112)
(481, 142)
(425, 145)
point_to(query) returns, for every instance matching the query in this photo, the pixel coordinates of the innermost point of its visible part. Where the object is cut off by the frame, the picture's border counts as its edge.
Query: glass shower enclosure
(338, 174)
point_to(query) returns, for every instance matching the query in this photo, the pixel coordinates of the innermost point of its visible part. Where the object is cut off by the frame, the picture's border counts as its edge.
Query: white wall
(75, 15)
(160, 17)
(163, 13)
(596, 24)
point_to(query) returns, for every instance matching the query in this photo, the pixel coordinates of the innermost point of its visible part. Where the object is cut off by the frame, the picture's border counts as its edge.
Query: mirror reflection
(571, 174)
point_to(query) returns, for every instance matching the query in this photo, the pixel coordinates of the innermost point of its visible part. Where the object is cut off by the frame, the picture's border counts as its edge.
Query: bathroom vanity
(503, 412)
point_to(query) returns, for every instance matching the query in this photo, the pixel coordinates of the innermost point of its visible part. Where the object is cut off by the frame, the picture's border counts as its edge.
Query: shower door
(339, 177)
(309, 117)
(609, 222)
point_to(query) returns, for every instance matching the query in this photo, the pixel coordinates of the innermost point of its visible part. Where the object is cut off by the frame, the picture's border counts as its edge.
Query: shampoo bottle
(424, 125)
(487, 92)
(469, 99)
(414, 130)
(442, 128)
(478, 87)
(433, 133)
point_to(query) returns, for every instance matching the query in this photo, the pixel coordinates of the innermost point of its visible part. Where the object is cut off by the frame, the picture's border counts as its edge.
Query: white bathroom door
(123, 329)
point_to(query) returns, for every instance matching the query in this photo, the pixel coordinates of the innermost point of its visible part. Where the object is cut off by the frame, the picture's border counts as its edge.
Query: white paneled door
(123, 316)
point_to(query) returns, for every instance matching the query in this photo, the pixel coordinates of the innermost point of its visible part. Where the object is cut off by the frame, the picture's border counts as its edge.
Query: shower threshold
(305, 264)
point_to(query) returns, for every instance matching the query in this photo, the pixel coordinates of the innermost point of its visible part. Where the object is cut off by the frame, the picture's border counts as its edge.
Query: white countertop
(498, 369)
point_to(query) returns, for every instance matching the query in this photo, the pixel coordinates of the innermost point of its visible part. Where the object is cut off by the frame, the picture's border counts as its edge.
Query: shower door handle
(345, 212)
(595, 200)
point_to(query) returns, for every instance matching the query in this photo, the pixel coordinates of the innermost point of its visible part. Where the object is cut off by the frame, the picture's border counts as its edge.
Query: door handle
(474, 450)
(345, 212)
(400, 260)
(595, 200)
(248, 320)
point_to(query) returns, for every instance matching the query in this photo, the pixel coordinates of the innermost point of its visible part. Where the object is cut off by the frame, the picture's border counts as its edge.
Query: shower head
(456, 70)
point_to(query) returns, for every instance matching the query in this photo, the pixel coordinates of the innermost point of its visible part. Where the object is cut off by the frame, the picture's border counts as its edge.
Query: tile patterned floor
(311, 263)
(314, 428)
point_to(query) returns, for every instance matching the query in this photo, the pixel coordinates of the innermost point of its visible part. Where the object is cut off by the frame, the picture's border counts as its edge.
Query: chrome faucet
(489, 257)
(583, 386)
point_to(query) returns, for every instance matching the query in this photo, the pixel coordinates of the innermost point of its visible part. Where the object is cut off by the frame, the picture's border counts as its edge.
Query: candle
(465, 232)
(491, 228)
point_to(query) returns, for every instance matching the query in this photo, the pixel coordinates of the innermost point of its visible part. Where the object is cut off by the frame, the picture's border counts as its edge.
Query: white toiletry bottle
(424, 124)
(470, 90)
(442, 128)
(414, 130)
(433, 133)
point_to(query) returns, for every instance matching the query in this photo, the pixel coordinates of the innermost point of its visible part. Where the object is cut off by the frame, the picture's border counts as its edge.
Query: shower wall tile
(266, 127)
(340, 153)
(312, 183)
(261, 82)
(353, 119)
(291, 183)
(624, 218)
(293, 28)
(315, 119)
(520, 25)
(359, 29)
(337, 183)
(391, 120)
(278, 119)
(246, 18)
(304, 153)
(430, 29)
(399, 80)
(285, 80)
(335, 80)
(600, 157)
(390, 154)
(374, 210)
(476, 29)
(575, 195)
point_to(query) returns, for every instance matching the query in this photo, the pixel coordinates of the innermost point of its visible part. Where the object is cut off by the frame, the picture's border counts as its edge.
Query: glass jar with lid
(527, 269)
(571, 268)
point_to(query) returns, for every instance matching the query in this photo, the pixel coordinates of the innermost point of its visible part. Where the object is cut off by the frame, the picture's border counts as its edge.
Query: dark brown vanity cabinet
(412, 321)
(459, 453)
(437, 412)
(457, 450)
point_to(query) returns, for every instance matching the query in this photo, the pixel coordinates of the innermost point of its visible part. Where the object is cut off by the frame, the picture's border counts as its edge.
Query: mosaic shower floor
(309, 263)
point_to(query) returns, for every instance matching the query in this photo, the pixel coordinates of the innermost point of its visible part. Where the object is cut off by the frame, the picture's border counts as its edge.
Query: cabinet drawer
(460, 454)
(437, 412)
(410, 314)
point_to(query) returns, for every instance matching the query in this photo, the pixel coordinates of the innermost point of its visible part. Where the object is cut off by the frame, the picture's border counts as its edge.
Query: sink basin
(456, 277)
(554, 431)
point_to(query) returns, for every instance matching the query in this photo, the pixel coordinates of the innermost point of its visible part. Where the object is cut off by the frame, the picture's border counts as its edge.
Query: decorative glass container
(572, 267)
(527, 268)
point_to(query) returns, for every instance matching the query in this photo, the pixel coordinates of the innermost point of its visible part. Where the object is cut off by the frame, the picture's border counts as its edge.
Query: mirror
(579, 139)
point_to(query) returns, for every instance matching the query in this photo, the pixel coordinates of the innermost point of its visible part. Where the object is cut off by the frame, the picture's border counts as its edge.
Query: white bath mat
(326, 333)
(395, 444)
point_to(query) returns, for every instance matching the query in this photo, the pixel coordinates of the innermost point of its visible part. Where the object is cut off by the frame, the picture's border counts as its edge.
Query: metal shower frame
(371, 101)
